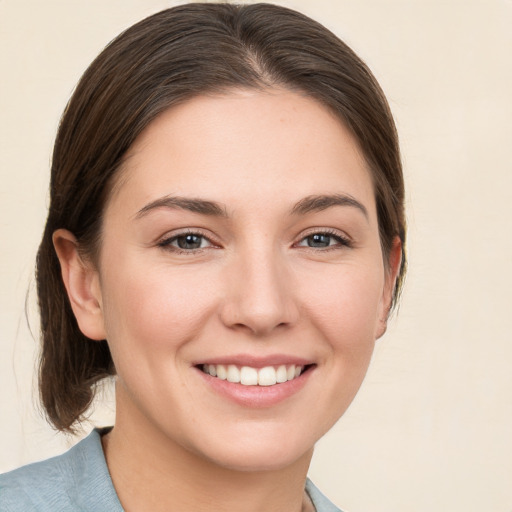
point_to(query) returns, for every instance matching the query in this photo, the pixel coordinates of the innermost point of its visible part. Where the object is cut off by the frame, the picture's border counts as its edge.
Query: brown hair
(159, 62)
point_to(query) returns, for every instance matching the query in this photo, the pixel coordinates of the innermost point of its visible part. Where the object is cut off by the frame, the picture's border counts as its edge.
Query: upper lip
(256, 361)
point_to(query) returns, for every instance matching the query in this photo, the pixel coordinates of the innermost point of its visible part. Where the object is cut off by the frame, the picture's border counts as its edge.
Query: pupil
(189, 242)
(319, 240)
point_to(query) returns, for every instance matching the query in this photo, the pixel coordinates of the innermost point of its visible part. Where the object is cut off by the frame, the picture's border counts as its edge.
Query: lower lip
(256, 396)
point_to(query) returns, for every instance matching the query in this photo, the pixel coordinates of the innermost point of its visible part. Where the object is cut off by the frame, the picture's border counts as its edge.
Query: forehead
(274, 143)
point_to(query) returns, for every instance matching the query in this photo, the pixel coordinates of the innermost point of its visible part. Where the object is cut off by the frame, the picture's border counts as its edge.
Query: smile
(249, 376)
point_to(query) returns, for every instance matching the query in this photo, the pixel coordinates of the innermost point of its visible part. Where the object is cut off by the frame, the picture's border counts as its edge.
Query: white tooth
(298, 371)
(205, 368)
(248, 376)
(281, 374)
(290, 372)
(233, 373)
(267, 376)
(221, 372)
(212, 370)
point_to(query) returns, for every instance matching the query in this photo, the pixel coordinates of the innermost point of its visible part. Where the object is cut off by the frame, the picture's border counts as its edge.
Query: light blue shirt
(79, 481)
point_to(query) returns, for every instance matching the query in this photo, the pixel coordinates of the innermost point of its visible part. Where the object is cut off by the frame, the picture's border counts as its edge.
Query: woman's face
(242, 239)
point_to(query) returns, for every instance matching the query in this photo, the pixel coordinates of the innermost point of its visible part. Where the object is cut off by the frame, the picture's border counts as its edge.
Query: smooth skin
(252, 267)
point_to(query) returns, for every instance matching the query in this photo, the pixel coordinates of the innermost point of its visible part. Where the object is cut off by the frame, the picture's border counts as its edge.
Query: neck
(152, 472)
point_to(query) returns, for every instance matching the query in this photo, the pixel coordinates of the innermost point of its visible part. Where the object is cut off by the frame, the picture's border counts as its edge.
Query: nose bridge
(259, 295)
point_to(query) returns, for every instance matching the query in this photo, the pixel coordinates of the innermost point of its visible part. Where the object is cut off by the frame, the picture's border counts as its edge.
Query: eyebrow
(322, 202)
(309, 204)
(201, 206)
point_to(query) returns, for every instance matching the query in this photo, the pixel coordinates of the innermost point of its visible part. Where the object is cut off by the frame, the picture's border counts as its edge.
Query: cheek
(156, 309)
(345, 306)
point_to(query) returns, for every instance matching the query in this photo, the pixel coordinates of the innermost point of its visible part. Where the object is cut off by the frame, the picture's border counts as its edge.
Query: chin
(260, 451)
(262, 461)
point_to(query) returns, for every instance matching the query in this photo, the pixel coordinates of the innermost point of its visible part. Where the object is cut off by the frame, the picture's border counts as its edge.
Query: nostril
(259, 298)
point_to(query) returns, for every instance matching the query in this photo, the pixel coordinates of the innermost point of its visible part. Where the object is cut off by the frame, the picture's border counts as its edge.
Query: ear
(392, 271)
(82, 284)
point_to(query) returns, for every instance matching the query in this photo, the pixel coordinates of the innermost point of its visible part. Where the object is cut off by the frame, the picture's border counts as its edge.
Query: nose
(259, 294)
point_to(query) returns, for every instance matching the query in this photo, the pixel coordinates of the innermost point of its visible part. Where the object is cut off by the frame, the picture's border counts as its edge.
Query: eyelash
(342, 241)
(166, 242)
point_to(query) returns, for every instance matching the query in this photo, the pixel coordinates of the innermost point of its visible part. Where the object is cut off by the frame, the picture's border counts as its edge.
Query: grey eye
(319, 240)
(189, 241)
(324, 240)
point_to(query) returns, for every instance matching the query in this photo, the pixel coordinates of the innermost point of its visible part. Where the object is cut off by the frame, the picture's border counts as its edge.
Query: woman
(226, 236)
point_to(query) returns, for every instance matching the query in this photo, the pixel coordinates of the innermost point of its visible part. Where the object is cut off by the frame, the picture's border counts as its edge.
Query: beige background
(432, 427)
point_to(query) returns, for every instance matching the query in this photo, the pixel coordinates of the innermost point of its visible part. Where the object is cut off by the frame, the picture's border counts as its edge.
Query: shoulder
(76, 480)
(321, 503)
(37, 486)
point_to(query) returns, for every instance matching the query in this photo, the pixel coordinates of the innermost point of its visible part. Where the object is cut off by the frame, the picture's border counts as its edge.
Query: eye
(324, 240)
(186, 242)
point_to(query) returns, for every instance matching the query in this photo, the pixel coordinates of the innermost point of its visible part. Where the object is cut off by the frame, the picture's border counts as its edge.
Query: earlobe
(81, 281)
(392, 271)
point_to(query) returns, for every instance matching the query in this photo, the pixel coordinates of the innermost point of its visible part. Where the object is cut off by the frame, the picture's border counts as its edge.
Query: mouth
(251, 376)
